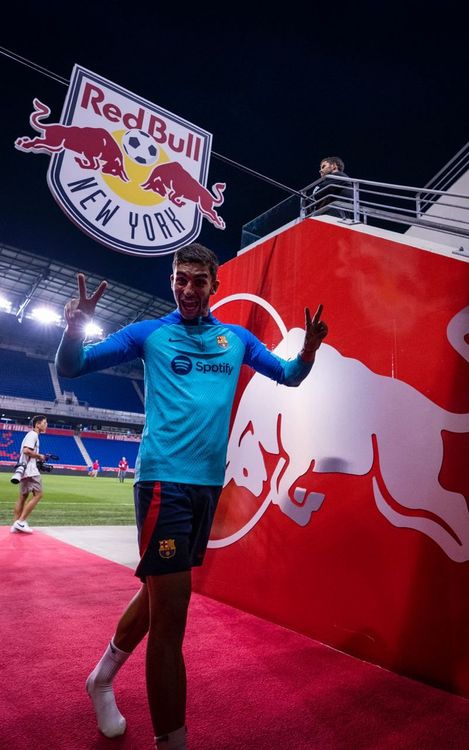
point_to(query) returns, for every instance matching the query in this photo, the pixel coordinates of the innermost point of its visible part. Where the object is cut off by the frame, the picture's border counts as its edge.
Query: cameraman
(31, 481)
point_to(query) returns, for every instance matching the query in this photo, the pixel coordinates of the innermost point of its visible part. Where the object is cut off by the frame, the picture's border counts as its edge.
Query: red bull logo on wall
(346, 419)
(128, 173)
(345, 510)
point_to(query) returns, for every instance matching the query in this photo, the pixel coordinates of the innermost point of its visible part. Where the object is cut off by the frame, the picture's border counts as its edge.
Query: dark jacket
(328, 192)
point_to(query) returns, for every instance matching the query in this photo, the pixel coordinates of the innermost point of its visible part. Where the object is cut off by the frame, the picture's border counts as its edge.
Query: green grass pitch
(74, 501)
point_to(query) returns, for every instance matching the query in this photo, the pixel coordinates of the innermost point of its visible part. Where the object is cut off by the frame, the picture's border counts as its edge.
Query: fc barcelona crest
(222, 341)
(167, 548)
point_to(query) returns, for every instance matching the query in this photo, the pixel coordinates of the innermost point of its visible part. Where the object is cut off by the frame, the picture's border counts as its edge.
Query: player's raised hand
(79, 310)
(315, 331)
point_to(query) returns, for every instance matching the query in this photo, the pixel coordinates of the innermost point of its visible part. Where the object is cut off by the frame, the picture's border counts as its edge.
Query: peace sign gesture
(315, 331)
(79, 311)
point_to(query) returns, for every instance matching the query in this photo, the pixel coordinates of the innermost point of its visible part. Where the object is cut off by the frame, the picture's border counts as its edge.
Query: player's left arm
(315, 332)
(288, 372)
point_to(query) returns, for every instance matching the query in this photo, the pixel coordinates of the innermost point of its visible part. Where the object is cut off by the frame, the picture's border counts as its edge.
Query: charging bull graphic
(172, 181)
(345, 418)
(96, 147)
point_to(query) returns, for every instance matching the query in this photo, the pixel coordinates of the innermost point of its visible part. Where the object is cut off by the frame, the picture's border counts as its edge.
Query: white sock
(176, 740)
(99, 687)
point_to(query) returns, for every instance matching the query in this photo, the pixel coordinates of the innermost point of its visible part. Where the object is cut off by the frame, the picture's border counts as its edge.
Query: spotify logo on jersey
(181, 365)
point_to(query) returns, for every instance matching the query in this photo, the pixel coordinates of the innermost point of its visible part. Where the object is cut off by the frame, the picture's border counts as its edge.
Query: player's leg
(169, 597)
(164, 518)
(178, 542)
(131, 629)
(133, 625)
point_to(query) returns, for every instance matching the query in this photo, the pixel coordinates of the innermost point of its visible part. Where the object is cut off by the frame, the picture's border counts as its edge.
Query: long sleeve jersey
(191, 372)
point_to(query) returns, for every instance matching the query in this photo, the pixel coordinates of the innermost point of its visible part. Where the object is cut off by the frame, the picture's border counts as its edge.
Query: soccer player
(122, 469)
(31, 481)
(192, 365)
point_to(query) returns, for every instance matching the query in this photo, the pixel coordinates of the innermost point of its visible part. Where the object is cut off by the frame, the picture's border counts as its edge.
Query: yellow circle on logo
(131, 191)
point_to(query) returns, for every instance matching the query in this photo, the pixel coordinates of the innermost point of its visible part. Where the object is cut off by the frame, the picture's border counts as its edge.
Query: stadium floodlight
(93, 331)
(5, 304)
(45, 315)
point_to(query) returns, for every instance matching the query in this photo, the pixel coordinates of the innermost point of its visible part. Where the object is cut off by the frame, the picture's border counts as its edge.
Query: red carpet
(252, 684)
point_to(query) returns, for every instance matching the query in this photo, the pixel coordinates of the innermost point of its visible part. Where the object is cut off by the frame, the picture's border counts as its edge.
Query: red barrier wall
(346, 516)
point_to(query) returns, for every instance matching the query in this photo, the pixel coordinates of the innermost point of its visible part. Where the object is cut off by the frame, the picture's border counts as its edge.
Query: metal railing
(457, 166)
(364, 201)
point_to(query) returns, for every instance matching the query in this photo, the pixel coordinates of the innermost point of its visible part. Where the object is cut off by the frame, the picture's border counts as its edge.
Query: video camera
(45, 468)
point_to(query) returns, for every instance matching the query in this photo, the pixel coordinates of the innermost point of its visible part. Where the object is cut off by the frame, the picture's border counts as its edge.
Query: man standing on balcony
(329, 191)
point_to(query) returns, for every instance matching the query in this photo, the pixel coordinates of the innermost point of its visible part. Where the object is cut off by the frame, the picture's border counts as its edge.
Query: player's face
(42, 426)
(192, 286)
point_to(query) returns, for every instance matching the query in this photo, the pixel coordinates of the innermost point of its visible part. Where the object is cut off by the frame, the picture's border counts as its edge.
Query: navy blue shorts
(173, 522)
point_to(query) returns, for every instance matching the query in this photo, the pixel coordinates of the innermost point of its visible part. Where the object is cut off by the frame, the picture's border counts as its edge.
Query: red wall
(360, 477)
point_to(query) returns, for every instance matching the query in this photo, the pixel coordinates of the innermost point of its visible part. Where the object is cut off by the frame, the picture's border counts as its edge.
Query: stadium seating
(22, 376)
(63, 446)
(29, 377)
(109, 452)
(105, 391)
(25, 377)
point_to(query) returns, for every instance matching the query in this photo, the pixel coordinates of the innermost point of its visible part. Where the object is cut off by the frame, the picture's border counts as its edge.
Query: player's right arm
(72, 358)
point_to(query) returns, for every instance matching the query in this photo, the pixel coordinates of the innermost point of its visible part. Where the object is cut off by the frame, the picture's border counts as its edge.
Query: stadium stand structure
(63, 446)
(104, 391)
(30, 385)
(66, 446)
(105, 409)
(23, 376)
(109, 452)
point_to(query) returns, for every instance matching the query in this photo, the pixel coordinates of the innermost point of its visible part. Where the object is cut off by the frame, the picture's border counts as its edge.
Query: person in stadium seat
(180, 466)
(31, 481)
(122, 469)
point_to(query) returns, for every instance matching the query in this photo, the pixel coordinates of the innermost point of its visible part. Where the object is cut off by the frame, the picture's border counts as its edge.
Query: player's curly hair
(196, 253)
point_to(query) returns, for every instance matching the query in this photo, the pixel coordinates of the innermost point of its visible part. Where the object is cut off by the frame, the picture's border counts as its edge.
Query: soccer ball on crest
(140, 147)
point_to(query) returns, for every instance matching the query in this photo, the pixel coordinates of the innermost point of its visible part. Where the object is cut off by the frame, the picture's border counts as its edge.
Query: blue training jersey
(191, 372)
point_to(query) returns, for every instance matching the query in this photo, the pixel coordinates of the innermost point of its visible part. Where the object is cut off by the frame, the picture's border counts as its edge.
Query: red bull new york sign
(128, 173)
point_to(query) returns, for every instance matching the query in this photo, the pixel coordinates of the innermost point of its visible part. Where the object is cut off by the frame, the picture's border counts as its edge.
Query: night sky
(388, 93)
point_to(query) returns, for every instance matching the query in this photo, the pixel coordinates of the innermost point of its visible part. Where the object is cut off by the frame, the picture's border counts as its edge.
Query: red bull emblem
(128, 173)
(344, 418)
(167, 548)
